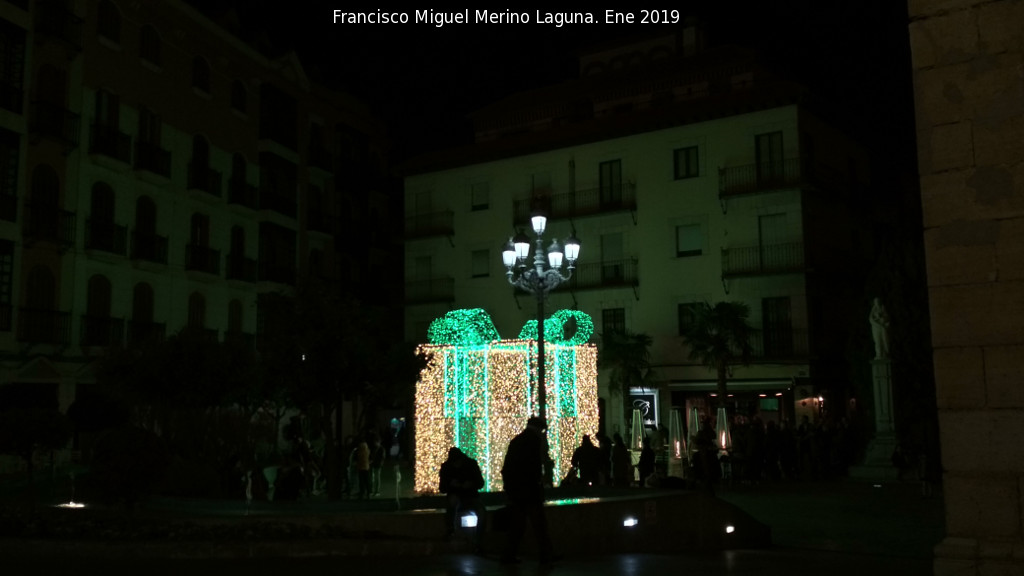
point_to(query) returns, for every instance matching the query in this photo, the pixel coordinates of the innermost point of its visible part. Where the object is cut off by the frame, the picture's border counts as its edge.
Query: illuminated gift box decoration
(477, 391)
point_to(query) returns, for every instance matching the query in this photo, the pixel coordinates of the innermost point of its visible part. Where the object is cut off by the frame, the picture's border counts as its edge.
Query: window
(200, 230)
(777, 325)
(12, 66)
(149, 45)
(108, 22)
(200, 74)
(235, 317)
(480, 196)
(6, 283)
(108, 109)
(687, 316)
(196, 311)
(689, 240)
(239, 96)
(610, 182)
(686, 162)
(613, 320)
(149, 127)
(612, 261)
(769, 156)
(481, 264)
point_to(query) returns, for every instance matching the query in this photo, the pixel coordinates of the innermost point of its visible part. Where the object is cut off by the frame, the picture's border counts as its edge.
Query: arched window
(200, 152)
(196, 311)
(239, 96)
(200, 230)
(45, 186)
(145, 216)
(108, 21)
(142, 303)
(149, 45)
(101, 206)
(235, 317)
(200, 74)
(40, 289)
(97, 302)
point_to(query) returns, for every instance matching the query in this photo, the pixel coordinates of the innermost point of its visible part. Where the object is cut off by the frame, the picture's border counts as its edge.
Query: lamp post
(543, 277)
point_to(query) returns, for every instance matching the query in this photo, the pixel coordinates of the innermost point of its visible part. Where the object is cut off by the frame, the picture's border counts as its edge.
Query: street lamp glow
(545, 275)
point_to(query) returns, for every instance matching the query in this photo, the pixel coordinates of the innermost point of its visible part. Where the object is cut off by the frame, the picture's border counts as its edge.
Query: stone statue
(879, 319)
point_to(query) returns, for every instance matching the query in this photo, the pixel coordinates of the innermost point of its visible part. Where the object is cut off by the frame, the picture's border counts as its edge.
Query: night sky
(424, 80)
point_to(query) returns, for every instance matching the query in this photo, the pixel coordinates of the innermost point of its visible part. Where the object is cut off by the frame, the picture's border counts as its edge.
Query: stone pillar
(878, 458)
(969, 100)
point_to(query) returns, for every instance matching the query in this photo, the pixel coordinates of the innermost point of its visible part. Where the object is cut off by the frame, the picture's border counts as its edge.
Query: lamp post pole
(539, 280)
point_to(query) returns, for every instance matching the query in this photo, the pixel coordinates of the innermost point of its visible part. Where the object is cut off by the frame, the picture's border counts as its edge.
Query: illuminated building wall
(475, 394)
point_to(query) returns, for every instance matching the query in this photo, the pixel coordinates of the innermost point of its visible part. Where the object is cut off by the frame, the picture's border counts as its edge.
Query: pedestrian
(586, 459)
(645, 466)
(523, 476)
(363, 468)
(377, 455)
(461, 480)
(622, 464)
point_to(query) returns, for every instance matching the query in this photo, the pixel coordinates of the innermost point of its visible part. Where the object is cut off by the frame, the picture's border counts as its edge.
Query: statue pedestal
(878, 459)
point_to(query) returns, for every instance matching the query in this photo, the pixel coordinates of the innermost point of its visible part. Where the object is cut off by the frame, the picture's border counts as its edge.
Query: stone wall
(969, 93)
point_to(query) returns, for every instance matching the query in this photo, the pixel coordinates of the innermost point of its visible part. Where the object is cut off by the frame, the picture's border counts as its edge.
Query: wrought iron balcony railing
(55, 122)
(279, 273)
(430, 290)
(616, 197)
(242, 340)
(779, 343)
(49, 223)
(202, 259)
(432, 224)
(145, 332)
(110, 142)
(241, 268)
(102, 331)
(39, 326)
(106, 236)
(201, 177)
(761, 177)
(55, 20)
(242, 193)
(150, 157)
(149, 247)
(279, 200)
(764, 259)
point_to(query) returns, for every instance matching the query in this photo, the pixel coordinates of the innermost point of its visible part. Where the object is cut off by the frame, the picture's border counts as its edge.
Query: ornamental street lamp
(541, 278)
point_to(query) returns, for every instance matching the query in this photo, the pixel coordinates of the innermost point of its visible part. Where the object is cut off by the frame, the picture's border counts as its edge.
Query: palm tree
(628, 356)
(719, 336)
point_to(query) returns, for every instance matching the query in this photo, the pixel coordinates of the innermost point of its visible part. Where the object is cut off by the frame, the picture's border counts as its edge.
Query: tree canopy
(718, 337)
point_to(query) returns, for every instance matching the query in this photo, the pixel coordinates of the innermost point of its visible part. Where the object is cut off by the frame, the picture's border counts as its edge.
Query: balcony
(12, 97)
(55, 20)
(49, 223)
(204, 178)
(760, 178)
(430, 290)
(106, 236)
(242, 193)
(779, 343)
(202, 259)
(317, 156)
(9, 207)
(277, 199)
(240, 340)
(102, 331)
(145, 332)
(37, 326)
(318, 221)
(432, 224)
(111, 142)
(279, 273)
(149, 156)
(149, 247)
(54, 122)
(763, 260)
(608, 274)
(589, 202)
(241, 268)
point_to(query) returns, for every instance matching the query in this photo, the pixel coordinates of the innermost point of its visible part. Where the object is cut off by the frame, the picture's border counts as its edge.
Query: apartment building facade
(688, 176)
(161, 174)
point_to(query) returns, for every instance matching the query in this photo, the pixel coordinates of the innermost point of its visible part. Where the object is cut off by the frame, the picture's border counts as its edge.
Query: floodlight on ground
(469, 521)
(630, 522)
(730, 529)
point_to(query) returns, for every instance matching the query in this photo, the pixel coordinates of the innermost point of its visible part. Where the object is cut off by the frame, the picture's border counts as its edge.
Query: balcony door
(610, 183)
(771, 230)
(769, 158)
(612, 269)
(777, 326)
